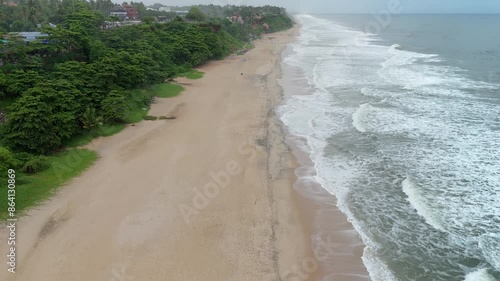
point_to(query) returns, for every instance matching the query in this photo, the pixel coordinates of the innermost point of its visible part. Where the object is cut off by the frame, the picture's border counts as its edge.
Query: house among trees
(119, 12)
(236, 19)
(132, 11)
(125, 12)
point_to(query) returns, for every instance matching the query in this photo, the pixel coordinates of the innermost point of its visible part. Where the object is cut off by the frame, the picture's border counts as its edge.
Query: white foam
(413, 110)
(315, 119)
(401, 69)
(419, 202)
(396, 47)
(359, 117)
(490, 246)
(377, 269)
(480, 275)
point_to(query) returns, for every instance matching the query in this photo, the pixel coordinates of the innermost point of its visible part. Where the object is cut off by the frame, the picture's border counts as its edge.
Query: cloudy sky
(357, 6)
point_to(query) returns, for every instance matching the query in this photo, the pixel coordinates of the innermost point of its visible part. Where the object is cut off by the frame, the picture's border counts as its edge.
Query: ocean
(403, 127)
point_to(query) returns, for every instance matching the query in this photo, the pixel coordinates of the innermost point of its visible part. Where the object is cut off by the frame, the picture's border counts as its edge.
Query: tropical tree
(35, 126)
(90, 119)
(114, 107)
(195, 14)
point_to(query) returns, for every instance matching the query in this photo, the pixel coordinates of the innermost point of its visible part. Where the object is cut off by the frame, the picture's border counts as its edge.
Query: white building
(165, 9)
(119, 12)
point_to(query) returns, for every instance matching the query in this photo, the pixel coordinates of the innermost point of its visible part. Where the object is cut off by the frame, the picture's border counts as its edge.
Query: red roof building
(132, 12)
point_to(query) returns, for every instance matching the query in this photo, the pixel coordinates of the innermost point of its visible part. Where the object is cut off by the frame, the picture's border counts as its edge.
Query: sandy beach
(204, 197)
(211, 195)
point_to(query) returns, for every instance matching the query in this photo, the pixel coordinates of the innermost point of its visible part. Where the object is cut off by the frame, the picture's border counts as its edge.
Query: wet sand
(336, 244)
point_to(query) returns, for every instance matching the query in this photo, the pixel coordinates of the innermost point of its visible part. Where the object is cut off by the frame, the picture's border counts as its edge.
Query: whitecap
(359, 117)
(490, 246)
(419, 202)
(480, 275)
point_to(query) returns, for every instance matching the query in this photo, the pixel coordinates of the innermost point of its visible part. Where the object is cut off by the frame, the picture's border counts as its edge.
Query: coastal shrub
(6, 156)
(195, 14)
(23, 157)
(40, 120)
(35, 165)
(90, 119)
(137, 102)
(7, 160)
(114, 107)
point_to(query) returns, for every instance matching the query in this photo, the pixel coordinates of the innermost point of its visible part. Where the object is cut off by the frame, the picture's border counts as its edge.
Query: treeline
(26, 15)
(84, 81)
(246, 22)
(85, 71)
(82, 77)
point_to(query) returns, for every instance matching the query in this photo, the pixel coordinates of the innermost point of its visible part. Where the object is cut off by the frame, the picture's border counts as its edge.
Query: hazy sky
(356, 6)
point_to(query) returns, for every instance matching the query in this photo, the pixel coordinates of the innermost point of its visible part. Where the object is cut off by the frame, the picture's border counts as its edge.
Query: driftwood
(168, 117)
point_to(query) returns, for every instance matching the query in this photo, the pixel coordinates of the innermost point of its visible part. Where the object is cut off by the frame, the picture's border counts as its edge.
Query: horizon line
(416, 13)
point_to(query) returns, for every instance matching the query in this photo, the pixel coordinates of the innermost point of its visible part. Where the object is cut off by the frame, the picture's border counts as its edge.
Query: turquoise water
(404, 129)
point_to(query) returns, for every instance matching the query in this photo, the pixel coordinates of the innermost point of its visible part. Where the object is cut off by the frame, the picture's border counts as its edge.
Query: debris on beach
(168, 117)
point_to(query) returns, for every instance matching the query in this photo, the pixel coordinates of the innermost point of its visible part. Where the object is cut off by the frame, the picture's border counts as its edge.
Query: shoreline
(205, 197)
(160, 188)
(337, 246)
(282, 169)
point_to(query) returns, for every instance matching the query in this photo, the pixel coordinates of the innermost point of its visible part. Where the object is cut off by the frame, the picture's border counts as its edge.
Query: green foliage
(42, 118)
(60, 89)
(114, 107)
(83, 81)
(34, 189)
(167, 90)
(35, 165)
(7, 160)
(138, 102)
(277, 22)
(85, 137)
(249, 46)
(23, 157)
(195, 14)
(20, 81)
(148, 20)
(90, 119)
(192, 74)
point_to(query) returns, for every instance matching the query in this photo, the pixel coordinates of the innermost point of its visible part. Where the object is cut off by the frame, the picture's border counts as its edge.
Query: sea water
(403, 127)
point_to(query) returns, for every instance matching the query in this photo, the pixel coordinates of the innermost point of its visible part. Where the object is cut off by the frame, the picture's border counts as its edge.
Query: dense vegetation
(25, 15)
(251, 22)
(57, 86)
(85, 81)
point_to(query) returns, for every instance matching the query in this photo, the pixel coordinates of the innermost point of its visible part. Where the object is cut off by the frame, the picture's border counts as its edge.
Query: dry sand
(138, 213)
(208, 196)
